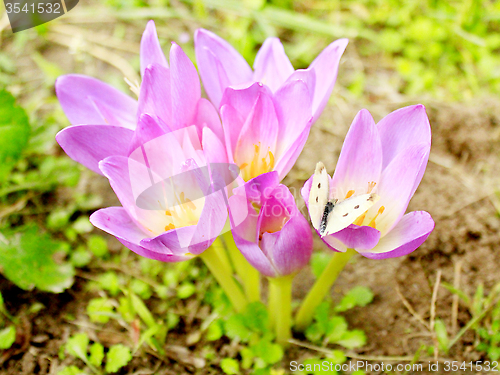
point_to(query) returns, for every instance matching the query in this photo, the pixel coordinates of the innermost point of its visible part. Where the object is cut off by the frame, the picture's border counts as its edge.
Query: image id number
(33, 8)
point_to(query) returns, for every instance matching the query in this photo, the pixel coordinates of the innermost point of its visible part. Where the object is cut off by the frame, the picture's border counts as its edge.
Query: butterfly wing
(318, 196)
(346, 212)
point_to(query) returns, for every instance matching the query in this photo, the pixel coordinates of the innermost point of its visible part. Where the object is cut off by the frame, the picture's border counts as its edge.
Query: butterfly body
(330, 216)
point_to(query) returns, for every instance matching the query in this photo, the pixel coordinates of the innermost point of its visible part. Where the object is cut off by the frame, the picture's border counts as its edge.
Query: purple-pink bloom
(104, 119)
(264, 131)
(272, 235)
(389, 159)
(221, 66)
(170, 208)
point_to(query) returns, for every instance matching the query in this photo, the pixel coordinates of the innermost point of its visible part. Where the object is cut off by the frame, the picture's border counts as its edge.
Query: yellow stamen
(169, 227)
(350, 193)
(360, 219)
(372, 222)
(168, 213)
(258, 165)
(371, 185)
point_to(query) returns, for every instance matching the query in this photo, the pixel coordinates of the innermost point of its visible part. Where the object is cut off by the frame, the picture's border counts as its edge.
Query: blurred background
(74, 301)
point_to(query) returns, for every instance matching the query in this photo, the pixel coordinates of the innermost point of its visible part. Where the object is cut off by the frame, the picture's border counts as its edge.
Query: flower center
(360, 220)
(262, 162)
(183, 214)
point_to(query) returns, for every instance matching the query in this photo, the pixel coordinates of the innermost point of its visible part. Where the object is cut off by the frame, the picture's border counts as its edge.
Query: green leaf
(319, 261)
(337, 326)
(322, 316)
(352, 339)
(80, 257)
(357, 296)
(494, 353)
(256, 317)
(118, 356)
(96, 354)
(140, 288)
(186, 290)
(109, 281)
(83, 225)
(14, 132)
(230, 366)
(7, 337)
(235, 327)
(337, 357)
(27, 260)
(314, 333)
(71, 370)
(98, 246)
(269, 352)
(214, 331)
(77, 346)
(247, 357)
(442, 335)
(99, 310)
(141, 309)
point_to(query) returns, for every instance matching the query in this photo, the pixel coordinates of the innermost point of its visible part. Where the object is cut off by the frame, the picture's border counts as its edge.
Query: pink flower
(263, 131)
(104, 119)
(171, 211)
(221, 66)
(389, 159)
(272, 235)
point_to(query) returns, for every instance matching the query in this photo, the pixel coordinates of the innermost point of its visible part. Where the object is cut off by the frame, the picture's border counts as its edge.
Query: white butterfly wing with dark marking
(346, 212)
(318, 196)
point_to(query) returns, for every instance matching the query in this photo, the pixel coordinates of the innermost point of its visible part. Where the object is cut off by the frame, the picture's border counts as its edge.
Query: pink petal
(360, 161)
(288, 158)
(207, 116)
(151, 52)
(211, 222)
(260, 129)
(259, 188)
(89, 144)
(254, 255)
(396, 186)
(403, 128)
(79, 94)
(116, 221)
(411, 231)
(155, 97)
(185, 88)
(147, 130)
(129, 179)
(213, 148)
(236, 106)
(353, 237)
(272, 66)
(220, 65)
(293, 108)
(325, 68)
(293, 245)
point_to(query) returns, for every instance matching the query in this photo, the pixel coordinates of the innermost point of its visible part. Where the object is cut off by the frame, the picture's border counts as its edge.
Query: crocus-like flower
(272, 235)
(221, 66)
(171, 210)
(389, 159)
(104, 119)
(264, 131)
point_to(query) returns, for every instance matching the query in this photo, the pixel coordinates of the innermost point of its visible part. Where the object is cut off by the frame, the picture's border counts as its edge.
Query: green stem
(220, 248)
(321, 288)
(249, 276)
(280, 306)
(225, 279)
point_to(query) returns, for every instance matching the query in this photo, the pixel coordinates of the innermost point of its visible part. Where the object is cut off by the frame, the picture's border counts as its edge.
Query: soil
(459, 191)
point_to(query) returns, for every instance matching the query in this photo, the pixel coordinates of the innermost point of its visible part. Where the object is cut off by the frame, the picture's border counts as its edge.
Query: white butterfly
(331, 216)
